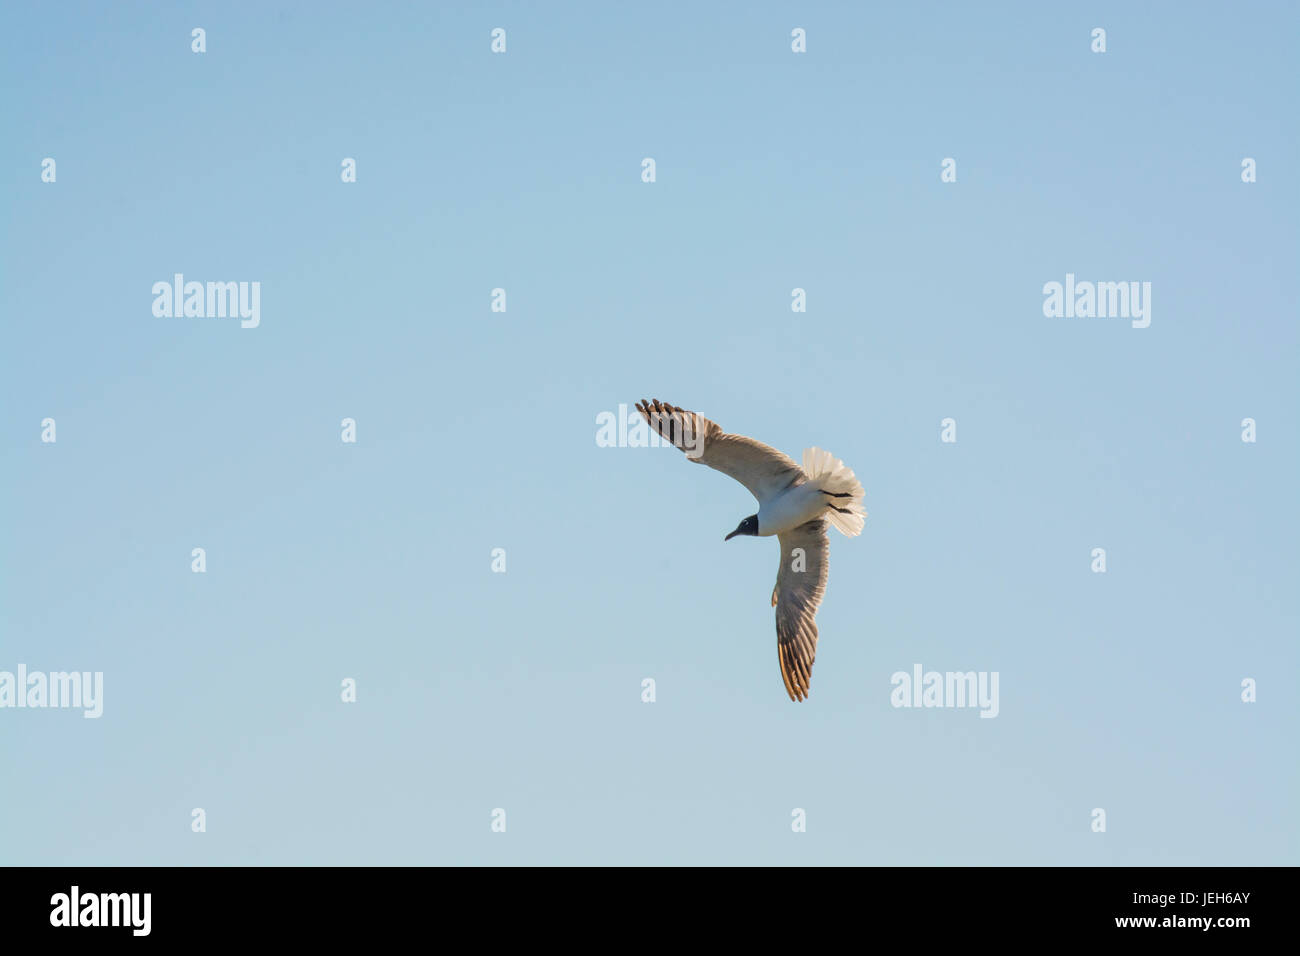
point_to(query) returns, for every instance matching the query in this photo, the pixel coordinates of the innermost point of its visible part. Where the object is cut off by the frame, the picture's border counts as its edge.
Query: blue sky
(476, 430)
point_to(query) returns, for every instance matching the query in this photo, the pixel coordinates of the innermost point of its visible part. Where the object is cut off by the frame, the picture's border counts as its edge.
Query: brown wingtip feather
(796, 680)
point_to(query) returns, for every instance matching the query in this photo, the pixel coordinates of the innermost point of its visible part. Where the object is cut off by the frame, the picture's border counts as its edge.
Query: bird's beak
(732, 535)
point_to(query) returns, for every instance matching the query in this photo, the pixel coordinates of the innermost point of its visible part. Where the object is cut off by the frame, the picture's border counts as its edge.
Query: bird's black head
(748, 526)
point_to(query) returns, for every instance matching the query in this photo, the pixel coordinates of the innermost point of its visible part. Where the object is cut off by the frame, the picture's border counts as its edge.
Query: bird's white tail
(844, 491)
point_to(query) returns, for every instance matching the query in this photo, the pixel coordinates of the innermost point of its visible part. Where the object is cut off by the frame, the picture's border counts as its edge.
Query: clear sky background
(476, 430)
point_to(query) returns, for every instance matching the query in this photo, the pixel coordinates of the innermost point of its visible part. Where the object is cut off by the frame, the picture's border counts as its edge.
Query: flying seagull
(794, 503)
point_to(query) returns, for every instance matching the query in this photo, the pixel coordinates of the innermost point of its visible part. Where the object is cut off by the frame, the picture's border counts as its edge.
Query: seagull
(794, 503)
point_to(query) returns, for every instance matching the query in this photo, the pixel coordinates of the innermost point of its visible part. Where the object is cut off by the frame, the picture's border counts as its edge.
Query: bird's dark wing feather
(760, 468)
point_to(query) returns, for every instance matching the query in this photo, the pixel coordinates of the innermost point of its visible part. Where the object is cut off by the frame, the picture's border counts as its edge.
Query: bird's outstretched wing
(760, 468)
(797, 594)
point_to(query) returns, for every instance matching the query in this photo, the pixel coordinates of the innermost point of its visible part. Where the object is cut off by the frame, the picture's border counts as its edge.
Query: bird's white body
(791, 508)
